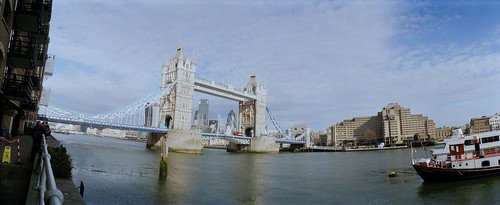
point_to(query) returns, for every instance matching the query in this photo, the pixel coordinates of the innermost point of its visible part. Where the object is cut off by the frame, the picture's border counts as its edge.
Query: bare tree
(369, 135)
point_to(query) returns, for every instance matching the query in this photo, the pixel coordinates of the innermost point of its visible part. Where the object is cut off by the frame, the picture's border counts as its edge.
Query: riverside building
(24, 41)
(393, 125)
(485, 124)
(478, 125)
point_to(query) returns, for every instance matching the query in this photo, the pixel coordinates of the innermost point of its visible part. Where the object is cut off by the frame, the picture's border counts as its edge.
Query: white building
(495, 122)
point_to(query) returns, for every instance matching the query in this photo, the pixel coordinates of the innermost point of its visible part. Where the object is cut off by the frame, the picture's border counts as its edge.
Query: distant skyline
(321, 61)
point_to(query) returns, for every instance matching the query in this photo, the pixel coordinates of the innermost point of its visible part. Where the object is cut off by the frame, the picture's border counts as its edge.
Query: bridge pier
(153, 140)
(185, 141)
(265, 145)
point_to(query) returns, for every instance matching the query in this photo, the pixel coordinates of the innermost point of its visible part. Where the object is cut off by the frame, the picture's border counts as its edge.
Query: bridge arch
(168, 121)
(249, 131)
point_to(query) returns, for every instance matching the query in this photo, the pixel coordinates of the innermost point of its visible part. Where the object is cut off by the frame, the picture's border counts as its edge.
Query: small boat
(462, 157)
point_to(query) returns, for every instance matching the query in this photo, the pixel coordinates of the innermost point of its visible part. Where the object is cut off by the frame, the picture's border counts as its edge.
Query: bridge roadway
(86, 122)
(90, 123)
(221, 90)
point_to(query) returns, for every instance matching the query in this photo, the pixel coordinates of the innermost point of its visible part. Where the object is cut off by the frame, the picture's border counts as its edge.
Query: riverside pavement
(17, 180)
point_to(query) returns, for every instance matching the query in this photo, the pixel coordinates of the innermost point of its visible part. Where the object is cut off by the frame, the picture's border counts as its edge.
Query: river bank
(18, 178)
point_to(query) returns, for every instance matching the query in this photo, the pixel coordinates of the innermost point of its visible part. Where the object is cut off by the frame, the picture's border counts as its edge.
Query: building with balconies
(25, 30)
(393, 125)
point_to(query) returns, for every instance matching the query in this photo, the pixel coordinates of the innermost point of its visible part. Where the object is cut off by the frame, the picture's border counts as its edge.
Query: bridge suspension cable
(277, 126)
(130, 110)
(138, 105)
(275, 123)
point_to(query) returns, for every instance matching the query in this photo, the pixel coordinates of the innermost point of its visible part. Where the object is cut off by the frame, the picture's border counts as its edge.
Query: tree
(369, 136)
(416, 137)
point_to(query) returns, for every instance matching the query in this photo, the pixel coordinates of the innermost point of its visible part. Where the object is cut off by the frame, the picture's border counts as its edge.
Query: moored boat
(462, 157)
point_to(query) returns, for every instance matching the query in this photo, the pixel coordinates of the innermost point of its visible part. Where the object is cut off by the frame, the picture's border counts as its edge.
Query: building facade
(393, 125)
(495, 122)
(356, 130)
(481, 124)
(442, 133)
(24, 41)
(399, 125)
(201, 116)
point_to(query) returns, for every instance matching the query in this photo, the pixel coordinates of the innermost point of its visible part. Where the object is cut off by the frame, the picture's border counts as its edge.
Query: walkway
(16, 181)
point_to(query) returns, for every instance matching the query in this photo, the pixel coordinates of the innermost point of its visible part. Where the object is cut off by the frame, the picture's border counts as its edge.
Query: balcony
(23, 51)
(42, 36)
(28, 16)
(17, 87)
(35, 78)
(46, 10)
(31, 104)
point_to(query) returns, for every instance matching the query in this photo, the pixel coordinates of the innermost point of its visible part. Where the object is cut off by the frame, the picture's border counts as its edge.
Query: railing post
(47, 188)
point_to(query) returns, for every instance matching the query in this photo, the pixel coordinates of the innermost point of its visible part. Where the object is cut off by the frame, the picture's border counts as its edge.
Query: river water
(125, 172)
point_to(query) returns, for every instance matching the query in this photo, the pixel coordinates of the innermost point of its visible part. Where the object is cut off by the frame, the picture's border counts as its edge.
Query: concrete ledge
(185, 141)
(265, 145)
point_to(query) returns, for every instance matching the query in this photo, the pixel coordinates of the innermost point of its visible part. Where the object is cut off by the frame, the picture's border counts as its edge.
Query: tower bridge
(176, 107)
(169, 111)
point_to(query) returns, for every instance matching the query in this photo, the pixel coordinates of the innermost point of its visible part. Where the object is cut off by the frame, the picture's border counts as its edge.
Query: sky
(321, 62)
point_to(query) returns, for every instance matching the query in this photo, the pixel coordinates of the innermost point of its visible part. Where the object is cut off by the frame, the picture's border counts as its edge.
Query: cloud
(321, 61)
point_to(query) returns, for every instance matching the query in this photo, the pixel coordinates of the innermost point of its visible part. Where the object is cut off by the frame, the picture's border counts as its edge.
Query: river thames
(125, 172)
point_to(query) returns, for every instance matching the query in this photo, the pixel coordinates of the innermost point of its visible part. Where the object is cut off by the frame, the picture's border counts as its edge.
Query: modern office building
(24, 41)
(201, 115)
(393, 125)
(355, 130)
(232, 122)
(399, 125)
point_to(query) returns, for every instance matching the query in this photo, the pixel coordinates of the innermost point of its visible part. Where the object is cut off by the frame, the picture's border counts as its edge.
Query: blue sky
(321, 61)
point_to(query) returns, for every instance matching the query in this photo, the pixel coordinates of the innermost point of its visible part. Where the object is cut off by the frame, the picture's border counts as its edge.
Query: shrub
(60, 161)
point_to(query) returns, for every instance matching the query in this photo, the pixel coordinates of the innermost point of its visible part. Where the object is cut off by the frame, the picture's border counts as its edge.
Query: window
(469, 142)
(485, 163)
(490, 139)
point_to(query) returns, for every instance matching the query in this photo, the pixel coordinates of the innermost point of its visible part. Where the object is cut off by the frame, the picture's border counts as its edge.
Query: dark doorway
(167, 121)
(248, 132)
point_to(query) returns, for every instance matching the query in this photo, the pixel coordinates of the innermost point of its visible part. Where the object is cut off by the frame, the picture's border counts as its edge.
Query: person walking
(37, 140)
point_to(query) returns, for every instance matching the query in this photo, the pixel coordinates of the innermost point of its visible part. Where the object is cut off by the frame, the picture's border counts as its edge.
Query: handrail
(47, 188)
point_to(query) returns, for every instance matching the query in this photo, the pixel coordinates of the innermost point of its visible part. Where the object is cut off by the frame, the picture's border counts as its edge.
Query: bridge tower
(176, 107)
(253, 112)
(253, 120)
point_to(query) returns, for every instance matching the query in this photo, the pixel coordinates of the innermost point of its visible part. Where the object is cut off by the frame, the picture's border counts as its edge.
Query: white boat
(462, 157)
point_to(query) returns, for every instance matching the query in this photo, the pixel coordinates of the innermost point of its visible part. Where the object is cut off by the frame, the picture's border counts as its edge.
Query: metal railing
(47, 188)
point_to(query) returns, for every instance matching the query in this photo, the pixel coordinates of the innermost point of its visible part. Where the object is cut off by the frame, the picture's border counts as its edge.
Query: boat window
(485, 163)
(490, 139)
(469, 142)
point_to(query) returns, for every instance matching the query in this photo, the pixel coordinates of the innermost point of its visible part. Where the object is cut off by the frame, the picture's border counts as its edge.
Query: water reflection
(473, 191)
(122, 172)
